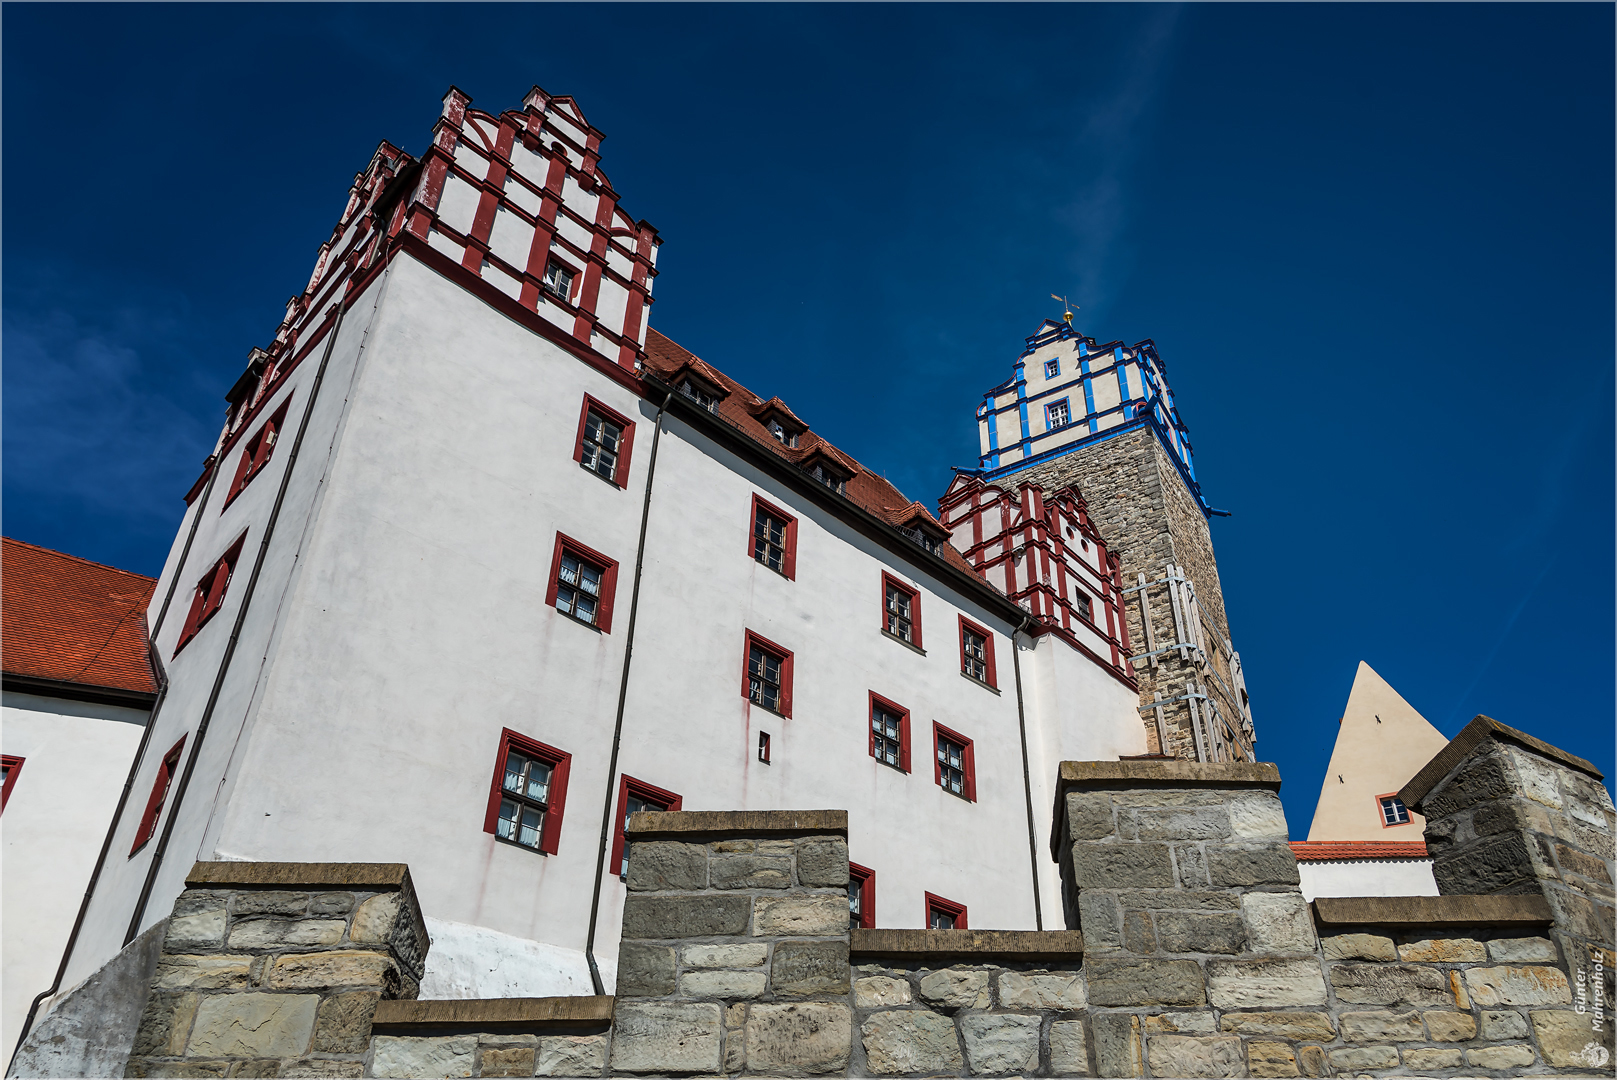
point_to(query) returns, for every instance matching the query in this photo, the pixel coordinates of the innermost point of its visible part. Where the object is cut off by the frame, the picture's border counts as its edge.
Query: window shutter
(969, 760)
(550, 840)
(904, 741)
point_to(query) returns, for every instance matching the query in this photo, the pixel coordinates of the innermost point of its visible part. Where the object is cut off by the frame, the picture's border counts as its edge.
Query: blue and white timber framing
(1034, 416)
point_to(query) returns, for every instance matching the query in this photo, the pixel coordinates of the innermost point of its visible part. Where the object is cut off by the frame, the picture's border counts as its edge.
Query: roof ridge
(77, 558)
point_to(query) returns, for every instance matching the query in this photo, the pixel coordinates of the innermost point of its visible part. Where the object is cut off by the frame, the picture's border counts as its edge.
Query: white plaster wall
(77, 757)
(1366, 877)
(476, 962)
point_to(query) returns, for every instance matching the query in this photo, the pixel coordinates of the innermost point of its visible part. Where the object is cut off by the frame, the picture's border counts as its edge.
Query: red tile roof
(1316, 850)
(743, 410)
(71, 620)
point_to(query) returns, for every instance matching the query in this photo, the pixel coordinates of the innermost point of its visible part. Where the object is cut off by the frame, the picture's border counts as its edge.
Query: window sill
(577, 622)
(771, 569)
(898, 769)
(962, 798)
(498, 839)
(767, 709)
(986, 686)
(908, 645)
(604, 479)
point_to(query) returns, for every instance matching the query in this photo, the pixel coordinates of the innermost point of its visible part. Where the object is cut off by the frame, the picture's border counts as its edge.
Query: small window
(605, 438)
(9, 768)
(1057, 414)
(763, 747)
(1393, 811)
(944, 914)
(209, 596)
(154, 804)
(256, 454)
(954, 763)
(1052, 368)
(901, 610)
(769, 675)
(774, 538)
(700, 394)
(927, 541)
(1084, 605)
(529, 793)
(635, 796)
(861, 896)
(782, 435)
(977, 653)
(830, 477)
(582, 584)
(559, 281)
(889, 733)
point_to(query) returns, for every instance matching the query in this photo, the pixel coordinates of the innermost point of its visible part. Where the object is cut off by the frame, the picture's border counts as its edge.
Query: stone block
(1358, 947)
(1178, 900)
(1257, 816)
(138, 1067)
(374, 921)
(1568, 1039)
(1089, 816)
(1252, 864)
(1121, 866)
(1191, 862)
(809, 967)
(332, 903)
(1197, 932)
(1312, 1061)
(735, 1050)
(320, 1068)
(646, 970)
(343, 1023)
(1186, 1055)
(270, 903)
(910, 1041)
(1001, 1043)
(823, 863)
(723, 984)
(1100, 920)
(1363, 1057)
(880, 992)
(1264, 984)
(955, 989)
(656, 865)
(275, 933)
(1278, 922)
(1139, 935)
(517, 1061)
(1118, 1050)
(1382, 1027)
(1142, 982)
(183, 972)
(1451, 1026)
(165, 1024)
(414, 1056)
(653, 1037)
(1268, 1058)
(801, 916)
(1443, 950)
(1425, 1058)
(1462, 1000)
(806, 1037)
(334, 970)
(748, 872)
(1181, 823)
(198, 930)
(648, 916)
(1060, 992)
(1513, 1056)
(1069, 1056)
(1292, 1025)
(735, 1015)
(776, 847)
(1390, 984)
(1503, 1025)
(1493, 986)
(253, 1025)
(1185, 1022)
(570, 1055)
(723, 956)
(1526, 950)
(734, 847)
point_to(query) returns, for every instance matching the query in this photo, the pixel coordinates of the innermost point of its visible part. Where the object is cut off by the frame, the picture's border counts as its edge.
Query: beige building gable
(1382, 742)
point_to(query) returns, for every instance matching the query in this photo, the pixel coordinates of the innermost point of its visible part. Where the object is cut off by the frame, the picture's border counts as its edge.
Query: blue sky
(1372, 242)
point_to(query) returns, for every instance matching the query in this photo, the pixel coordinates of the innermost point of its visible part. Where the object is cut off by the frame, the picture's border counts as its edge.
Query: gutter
(73, 691)
(1027, 775)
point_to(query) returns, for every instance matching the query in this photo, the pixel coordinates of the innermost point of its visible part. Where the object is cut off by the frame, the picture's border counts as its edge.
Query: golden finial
(1067, 307)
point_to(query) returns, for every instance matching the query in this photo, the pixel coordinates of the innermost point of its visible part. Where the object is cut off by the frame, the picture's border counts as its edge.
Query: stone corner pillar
(735, 944)
(277, 968)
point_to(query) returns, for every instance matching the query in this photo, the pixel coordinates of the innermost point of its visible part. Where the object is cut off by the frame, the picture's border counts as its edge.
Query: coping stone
(304, 874)
(481, 1011)
(1432, 911)
(1469, 738)
(1169, 772)
(967, 946)
(644, 824)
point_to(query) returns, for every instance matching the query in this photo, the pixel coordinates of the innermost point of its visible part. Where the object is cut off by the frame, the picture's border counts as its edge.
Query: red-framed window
(582, 583)
(256, 454)
(774, 538)
(977, 653)
(210, 593)
(9, 768)
(154, 804)
(763, 747)
(861, 896)
(889, 732)
(605, 438)
(901, 610)
(1393, 811)
(766, 674)
(529, 793)
(954, 763)
(944, 914)
(635, 795)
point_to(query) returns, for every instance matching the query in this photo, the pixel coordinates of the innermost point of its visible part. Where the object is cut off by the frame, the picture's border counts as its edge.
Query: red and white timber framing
(1043, 551)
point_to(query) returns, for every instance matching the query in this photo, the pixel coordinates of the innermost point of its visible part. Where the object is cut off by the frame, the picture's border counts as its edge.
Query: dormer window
(782, 434)
(931, 543)
(559, 281)
(700, 394)
(830, 477)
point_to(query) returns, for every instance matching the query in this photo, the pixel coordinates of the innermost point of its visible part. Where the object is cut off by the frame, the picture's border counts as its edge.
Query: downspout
(1027, 777)
(608, 810)
(161, 676)
(173, 810)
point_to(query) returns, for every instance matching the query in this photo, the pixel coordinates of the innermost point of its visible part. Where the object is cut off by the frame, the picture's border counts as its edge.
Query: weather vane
(1067, 307)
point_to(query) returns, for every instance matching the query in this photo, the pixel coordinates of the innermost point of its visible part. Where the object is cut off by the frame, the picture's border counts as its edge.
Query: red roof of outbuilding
(71, 620)
(1316, 850)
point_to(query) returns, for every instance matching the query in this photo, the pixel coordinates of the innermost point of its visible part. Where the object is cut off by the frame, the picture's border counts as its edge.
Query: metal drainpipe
(173, 809)
(161, 675)
(1027, 779)
(608, 810)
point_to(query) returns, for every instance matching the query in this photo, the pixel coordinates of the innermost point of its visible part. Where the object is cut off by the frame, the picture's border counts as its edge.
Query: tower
(1102, 419)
